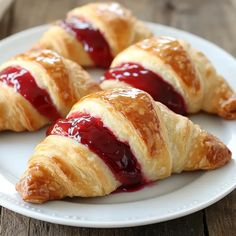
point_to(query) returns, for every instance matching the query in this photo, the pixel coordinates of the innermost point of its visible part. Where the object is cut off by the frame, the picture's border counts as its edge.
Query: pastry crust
(162, 142)
(116, 23)
(186, 69)
(64, 81)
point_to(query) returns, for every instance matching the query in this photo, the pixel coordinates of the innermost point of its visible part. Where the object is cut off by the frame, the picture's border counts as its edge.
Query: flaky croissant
(93, 34)
(175, 74)
(127, 141)
(38, 87)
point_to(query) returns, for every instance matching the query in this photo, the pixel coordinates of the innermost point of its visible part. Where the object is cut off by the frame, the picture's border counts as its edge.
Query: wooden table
(214, 20)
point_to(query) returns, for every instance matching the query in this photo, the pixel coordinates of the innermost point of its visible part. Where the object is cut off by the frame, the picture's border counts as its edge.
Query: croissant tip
(218, 154)
(228, 108)
(28, 194)
(37, 186)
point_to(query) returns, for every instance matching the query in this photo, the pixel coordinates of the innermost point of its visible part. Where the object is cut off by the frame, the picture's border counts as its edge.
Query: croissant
(38, 87)
(93, 34)
(175, 74)
(127, 141)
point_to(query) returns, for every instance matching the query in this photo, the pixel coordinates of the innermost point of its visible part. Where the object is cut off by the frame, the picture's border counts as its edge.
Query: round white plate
(173, 197)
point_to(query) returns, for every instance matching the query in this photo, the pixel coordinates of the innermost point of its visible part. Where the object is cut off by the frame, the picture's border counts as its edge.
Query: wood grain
(6, 22)
(211, 19)
(221, 217)
(13, 223)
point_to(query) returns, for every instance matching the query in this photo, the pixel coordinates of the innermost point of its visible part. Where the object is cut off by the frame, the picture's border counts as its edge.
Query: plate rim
(69, 221)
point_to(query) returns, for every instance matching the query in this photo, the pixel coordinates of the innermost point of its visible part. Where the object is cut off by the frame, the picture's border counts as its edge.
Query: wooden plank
(212, 19)
(13, 224)
(39, 12)
(221, 217)
(6, 22)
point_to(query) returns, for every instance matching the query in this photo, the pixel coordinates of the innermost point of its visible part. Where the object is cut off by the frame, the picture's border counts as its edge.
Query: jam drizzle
(146, 80)
(92, 39)
(117, 155)
(23, 82)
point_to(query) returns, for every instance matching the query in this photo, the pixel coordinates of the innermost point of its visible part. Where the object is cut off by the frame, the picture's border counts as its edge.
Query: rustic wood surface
(211, 19)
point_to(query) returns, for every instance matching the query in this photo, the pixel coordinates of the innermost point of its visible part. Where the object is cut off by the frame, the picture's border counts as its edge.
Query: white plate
(173, 197)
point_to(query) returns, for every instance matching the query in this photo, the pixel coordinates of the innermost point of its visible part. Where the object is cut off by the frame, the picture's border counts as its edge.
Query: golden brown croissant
(38, 87)
(93, 34)
(175, 74)
(127, 141)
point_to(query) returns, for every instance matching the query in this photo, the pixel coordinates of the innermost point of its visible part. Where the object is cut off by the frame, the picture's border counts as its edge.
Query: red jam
(92, 39)
(117, 155)
(141, 78)
(23, 82)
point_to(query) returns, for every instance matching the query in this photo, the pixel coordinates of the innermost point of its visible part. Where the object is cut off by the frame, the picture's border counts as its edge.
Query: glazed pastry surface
(128, 141)
(174, 73)
(113, 26)
(38, 87)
